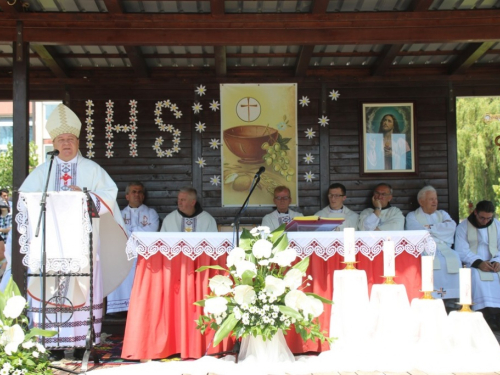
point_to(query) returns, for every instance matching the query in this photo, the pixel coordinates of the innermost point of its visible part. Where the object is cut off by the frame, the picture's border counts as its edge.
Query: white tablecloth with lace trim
(166, 284)
(323, 244)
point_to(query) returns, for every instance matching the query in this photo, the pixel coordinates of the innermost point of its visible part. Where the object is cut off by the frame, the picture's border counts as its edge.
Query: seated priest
(72, 172)
(189, 216)
(283, 214)
(381, 216)
(138, 218)
(477, 241)
(442, 229)
(337, 194)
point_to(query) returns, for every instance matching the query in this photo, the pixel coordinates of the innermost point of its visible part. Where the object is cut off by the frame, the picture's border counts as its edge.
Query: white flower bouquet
(20, 352)
(259, 293)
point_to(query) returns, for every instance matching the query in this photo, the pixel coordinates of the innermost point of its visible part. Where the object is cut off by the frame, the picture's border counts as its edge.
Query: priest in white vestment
(189, 216)
(138, 218)
(283, 214)
(72, 172)
(337, 194)
(382, 216)
(442, 229)
(477, 242)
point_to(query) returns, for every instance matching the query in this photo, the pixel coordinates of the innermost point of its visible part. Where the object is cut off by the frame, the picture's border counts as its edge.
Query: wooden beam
(134, 54)
(303, 60)
(21, 140)
(12, 7)
(114, 6)
(420, 5)
(319, 6)
(469, 56)
(55, 64)
(220, 61)
(384, 62)
(217, 7)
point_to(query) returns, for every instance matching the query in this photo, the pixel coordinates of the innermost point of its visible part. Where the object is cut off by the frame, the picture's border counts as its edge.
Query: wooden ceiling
(110, 40)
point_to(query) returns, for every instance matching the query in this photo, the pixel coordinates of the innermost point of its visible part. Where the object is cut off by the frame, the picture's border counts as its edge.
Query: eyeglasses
(482, 218)
(281, 198)
(382, 194)
(336, 195)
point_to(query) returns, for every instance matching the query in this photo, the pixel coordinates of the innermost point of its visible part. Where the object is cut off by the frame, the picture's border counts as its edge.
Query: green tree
(7, 162)
(478, 155)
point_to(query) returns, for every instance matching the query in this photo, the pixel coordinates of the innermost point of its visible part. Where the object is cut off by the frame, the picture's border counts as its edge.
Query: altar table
(161, 317)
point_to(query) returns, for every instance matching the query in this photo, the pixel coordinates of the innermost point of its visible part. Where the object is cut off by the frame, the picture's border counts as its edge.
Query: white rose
(220, 285)
(293, 299)
(236, 255)
(215, 305)
(311, 305)
(243, 266)
(262, 249)
(293, 278)
(35, 354)
(263, 262)
(244, 295)
(285, 258)
(14, 307)
(274, 286)
(12, 338)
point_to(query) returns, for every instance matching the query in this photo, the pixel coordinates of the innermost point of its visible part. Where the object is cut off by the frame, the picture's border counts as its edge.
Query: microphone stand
(41, 223)
(236, 222)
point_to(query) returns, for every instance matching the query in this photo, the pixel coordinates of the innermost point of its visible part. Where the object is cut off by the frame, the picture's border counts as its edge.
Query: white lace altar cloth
(323, 244)
(67, 231)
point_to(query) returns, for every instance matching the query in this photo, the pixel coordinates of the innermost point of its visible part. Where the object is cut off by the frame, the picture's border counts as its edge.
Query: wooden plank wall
(164, 176)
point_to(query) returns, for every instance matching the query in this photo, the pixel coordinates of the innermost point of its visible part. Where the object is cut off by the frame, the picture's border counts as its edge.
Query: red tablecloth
(161, 317)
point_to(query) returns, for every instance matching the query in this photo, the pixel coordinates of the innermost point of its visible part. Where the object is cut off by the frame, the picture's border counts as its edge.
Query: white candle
(465, 286)
(349, 252)
(427, 273)
(389, 258)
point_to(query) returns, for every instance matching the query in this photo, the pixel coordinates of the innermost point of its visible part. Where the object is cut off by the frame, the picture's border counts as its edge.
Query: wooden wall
(336, 149)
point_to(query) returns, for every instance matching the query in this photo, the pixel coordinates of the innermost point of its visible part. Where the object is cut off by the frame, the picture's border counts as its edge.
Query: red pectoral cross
(65, 177)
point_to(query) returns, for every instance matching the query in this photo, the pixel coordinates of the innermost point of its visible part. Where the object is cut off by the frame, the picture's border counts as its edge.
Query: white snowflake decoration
(215, 180)
(197, 107)
(309, 158)
(334, 95)
(304, 102)
(169, 128)
(214, 106)
(127, 128)
(177, 114)
(201, 162)
(214, 143)
(201, 90)
(200, 127)
(310, 133)
(90, 129)
(323, 121)
(309, 176)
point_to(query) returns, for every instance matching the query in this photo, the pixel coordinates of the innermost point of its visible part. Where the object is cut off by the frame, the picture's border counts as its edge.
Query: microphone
(261, 170)
(55, 152)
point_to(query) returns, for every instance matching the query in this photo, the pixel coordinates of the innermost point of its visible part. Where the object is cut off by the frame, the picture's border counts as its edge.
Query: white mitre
(63, 120)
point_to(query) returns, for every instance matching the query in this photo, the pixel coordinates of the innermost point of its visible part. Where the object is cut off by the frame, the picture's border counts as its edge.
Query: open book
(313, 224)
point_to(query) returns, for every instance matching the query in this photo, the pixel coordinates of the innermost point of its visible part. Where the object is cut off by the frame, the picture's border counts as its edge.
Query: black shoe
(56, 355)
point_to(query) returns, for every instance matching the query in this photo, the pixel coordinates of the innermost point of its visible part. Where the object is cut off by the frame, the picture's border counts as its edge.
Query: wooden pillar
(21, 140)
(451, 131)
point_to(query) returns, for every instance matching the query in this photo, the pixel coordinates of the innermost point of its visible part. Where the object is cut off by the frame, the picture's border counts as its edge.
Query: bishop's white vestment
(109, 234)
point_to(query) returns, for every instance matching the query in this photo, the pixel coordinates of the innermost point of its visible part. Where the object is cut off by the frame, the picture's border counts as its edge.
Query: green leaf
(290, 312)
(247, 277)
(302, 265)
(40, 332)
(322, 299)
(201, 303)
(225, 329)
(277, 233)
(201, 269)
(281, 244)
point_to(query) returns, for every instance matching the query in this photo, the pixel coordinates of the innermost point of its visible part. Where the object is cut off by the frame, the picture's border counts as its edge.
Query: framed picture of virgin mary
(388, 144)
